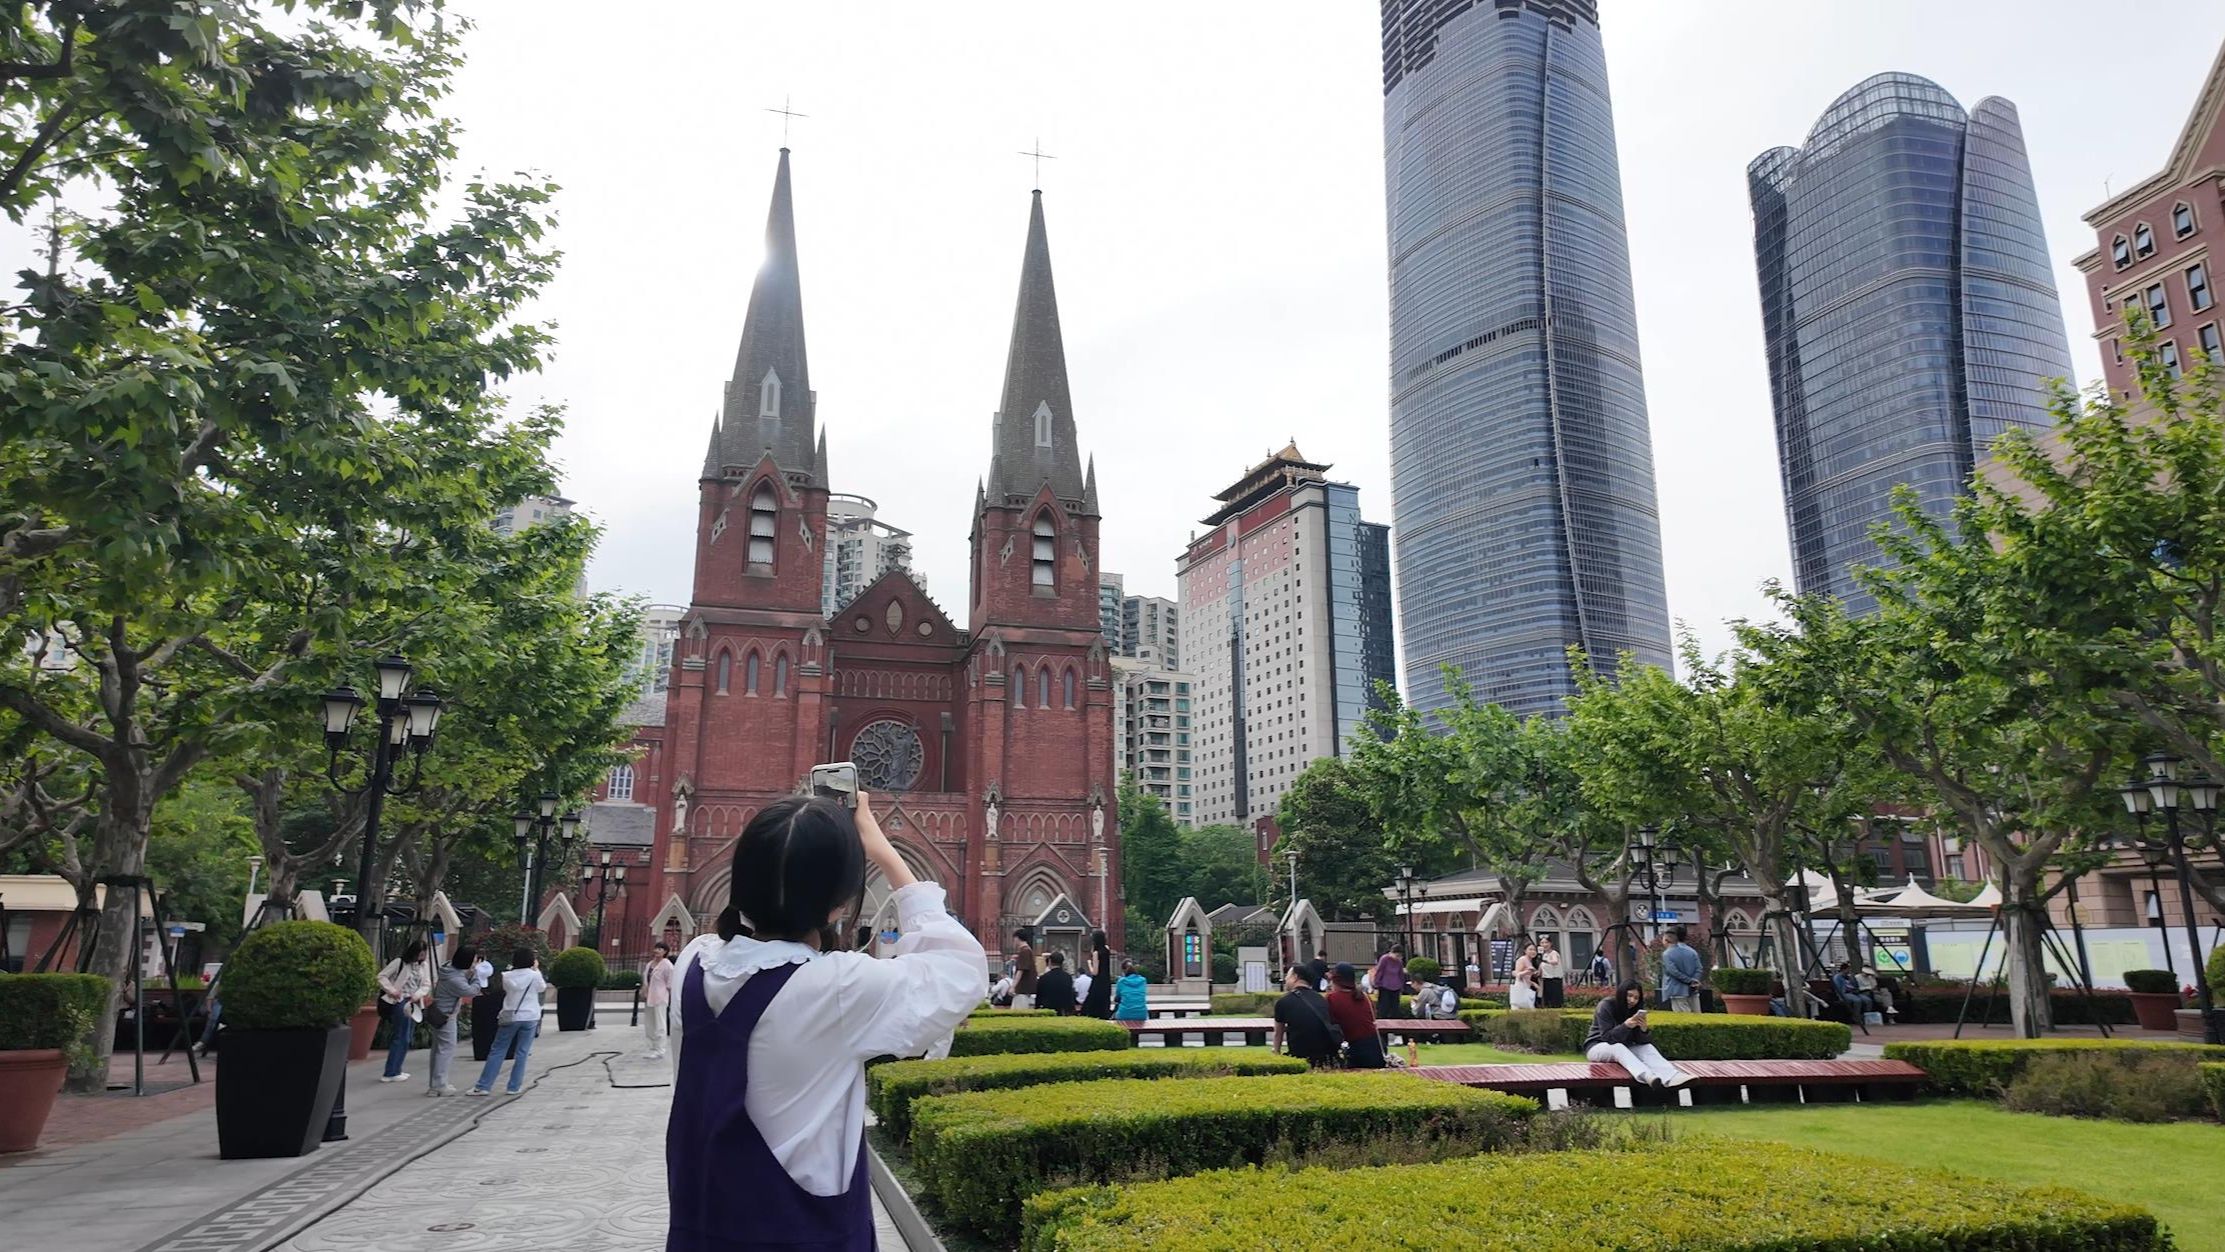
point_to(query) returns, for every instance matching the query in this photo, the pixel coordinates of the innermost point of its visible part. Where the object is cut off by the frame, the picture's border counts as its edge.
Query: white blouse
(842, 1009)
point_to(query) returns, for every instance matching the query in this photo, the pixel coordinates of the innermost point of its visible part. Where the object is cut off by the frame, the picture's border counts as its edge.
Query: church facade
(987, 741)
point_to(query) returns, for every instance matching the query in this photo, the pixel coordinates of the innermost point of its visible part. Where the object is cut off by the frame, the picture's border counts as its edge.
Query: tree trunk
(1788, 956)
(120, 848)
(2023, 923)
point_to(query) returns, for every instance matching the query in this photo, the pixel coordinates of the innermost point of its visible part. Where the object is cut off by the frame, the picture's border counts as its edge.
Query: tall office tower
(1910, 312)
(1150, 628)
(860, 548)
(1288, 634)
(1151, 732)
(1111, 591)
(1521, 463)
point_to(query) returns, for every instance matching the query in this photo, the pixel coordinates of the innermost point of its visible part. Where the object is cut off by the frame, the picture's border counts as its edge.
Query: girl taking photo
(771, 1031)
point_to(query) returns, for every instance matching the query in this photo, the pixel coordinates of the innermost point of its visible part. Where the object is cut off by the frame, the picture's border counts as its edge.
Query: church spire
(769, 406)
(711, 455)
(1034, 435)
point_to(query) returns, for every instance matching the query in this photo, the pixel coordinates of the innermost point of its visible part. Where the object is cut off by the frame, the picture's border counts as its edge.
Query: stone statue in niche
(682, 791)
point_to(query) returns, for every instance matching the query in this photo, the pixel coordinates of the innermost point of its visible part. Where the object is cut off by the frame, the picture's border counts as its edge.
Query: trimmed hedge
(1572, 997)
(298, 975)
(1741, 982)
(993, 1014)
(988, 1036)
(39, 1011)
(1734, 1196)
(2213, 1081)
(2155, 982)
(1680, 1036)
(892, 1088)
(1985, 1067)
(1244, 1003)
(979, 1153)
(1942, 1002)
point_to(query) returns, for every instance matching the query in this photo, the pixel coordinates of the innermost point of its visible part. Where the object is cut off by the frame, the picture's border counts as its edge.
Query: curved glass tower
(1909, 307)
(1521, 465)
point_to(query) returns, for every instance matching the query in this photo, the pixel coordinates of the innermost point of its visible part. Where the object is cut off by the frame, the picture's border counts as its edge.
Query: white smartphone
(837, 781)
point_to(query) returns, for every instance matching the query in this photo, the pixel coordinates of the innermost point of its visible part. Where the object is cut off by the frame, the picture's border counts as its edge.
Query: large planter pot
(574, 1005)
(362, 1027)
(2155, 1010)
(29, 1081)
(275, 1089)
(1757, 1006)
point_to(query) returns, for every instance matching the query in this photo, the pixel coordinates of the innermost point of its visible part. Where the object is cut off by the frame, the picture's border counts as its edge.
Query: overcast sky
(1216, 225)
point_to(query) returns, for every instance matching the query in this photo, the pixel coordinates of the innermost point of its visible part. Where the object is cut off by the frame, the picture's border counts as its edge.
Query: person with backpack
(1302, 1021)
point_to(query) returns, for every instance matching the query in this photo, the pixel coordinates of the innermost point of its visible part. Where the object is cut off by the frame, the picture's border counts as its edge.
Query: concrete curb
(918, 1235)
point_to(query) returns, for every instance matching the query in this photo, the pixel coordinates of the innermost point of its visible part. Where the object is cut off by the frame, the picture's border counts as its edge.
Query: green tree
(197, 850)
(1343, 865)
(1219, 867)
(1151, 869)
(264, 361)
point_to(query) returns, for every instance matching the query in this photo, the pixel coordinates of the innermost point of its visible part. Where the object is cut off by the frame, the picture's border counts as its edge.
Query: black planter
(275, 1090)
(574, 1005)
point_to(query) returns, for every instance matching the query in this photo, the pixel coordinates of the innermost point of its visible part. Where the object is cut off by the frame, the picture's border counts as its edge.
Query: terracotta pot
(2155, 1010)
(30, 1078)
(361, 1028)
(1757, 1006)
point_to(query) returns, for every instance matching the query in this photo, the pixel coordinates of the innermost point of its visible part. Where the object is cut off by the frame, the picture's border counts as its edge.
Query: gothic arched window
(749, 675)
(621, 782)
(1043, 560)
(725, 671)
(780, 675)
(764, 515)
(1069, 687)
(768, 395)
(1043, 688)
(1018, 687)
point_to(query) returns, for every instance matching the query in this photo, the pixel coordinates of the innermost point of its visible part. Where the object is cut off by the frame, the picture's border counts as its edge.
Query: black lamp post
(523, 828)
(2165, 790)
(602, 876)
(1655, 863)
(1406, 896)
(404, 722)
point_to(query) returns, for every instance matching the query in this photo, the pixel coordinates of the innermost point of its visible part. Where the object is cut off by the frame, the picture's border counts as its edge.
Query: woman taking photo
(1618, 1034)
(771, 1032)
(1098, 1003)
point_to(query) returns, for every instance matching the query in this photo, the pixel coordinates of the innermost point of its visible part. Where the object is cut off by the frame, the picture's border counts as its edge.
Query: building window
(2198, 295)
(2120, 251)
(1043, 560)
(768, 395)
(2159, 309)
(2143, 241)
(1069, 688)
(621, 782)
(725, 671)
(2212, 347)
(2117, 350)
(1043, 425)
(1043, 687)
(2168, 353)
(1019, 687)
(780, 675)
(749, 675)
(764, 514)
(2182, 219)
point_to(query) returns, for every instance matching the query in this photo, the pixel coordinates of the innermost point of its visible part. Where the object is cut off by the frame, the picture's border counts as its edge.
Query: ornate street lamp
(1406, 896)
(2168, 792)
(530, 831)
(602, 876)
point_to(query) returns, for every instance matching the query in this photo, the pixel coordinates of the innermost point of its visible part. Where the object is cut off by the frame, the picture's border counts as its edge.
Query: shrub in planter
(985, 1036)
(1224, 967)
(1743, 990)
(2213, 1083)
(289, 991)
(2123, 1086)
(1986, 1067)
(892, 1088)
(46, 1026)
(2152, 981)
(979, 1153)
(1747, 1196)
(2155, 998)
(575, 973)
(1424, 969)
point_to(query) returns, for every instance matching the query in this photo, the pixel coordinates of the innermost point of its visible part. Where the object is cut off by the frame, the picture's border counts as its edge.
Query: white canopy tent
(1915, 903)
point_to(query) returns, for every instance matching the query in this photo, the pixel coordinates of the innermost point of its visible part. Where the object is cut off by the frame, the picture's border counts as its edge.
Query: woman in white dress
(1523, 993)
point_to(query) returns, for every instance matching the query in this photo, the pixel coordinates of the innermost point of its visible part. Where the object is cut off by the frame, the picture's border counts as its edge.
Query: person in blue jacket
(1128, 995)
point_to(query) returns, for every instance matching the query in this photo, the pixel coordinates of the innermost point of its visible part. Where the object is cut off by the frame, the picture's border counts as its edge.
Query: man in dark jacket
(1055, 989)
(1302, 1018)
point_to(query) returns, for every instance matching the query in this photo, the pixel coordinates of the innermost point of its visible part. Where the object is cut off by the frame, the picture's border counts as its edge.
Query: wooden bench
(1713, 1082)
(1257, 1030)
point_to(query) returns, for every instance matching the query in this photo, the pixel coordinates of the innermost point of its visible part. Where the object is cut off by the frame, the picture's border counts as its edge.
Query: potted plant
(2155, 998)
(575, 973)
(1423, 969)
(46, 1023)
(1743, 990)
(288, 991)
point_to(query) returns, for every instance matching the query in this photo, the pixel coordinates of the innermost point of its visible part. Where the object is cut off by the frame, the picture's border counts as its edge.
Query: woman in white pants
(1618, 1034)
(656, 996)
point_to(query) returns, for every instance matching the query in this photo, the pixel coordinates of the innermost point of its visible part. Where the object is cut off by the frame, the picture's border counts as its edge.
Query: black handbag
(435, 1016)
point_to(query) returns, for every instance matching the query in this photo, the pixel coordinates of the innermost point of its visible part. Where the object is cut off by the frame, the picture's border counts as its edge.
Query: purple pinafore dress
(729, 1193)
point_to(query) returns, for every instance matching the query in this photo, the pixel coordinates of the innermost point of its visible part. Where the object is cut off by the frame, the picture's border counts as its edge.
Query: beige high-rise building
(1151, 733)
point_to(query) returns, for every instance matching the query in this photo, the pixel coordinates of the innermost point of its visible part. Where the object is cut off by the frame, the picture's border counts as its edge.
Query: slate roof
(616, 824)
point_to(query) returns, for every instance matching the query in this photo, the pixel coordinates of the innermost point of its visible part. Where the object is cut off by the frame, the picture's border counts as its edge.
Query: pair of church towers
(988, 747)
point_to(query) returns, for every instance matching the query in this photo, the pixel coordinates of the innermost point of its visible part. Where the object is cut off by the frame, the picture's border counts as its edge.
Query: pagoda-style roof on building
(1277, 473)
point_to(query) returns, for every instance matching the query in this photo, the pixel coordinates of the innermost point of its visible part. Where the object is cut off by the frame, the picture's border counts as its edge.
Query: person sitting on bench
(1849, 991)
(1619, 1034)
(1879, 990)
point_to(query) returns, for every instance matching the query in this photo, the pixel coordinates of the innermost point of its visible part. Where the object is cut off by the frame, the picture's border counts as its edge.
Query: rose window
(888, 756)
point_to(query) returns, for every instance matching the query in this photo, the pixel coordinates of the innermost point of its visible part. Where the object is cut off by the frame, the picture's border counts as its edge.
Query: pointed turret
(1089, 489)
(1033, 433)
(819, 461)
(711, 454)
(769, 404)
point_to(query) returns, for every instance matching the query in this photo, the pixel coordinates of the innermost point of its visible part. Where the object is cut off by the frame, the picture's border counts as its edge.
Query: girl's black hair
(521, 958)
(414, 953)
(1623, 1007)
(465, 955)
(796, 861)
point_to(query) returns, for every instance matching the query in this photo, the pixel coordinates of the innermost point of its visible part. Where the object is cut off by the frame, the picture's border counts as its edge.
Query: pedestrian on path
(1680, 974)
(1097, 1000)
(1390, 982)
(459, 982)
(1023, 968)
(656, 996)
(405, 988)
(520, 1023)
(1552, 974)
(486, 1010)
(766, 1145)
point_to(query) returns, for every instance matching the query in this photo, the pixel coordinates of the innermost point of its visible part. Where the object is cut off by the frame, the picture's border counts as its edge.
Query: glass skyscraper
(1521, 465)
(1909, 307)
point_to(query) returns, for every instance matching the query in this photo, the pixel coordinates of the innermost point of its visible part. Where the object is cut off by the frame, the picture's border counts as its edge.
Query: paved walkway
(574, 1163)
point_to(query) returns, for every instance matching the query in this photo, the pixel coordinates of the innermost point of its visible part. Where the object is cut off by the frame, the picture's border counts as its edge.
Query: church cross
(1039, 157)
(787, 116)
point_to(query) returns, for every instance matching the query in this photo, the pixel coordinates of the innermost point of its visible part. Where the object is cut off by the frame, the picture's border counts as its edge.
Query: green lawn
(2171, 1170)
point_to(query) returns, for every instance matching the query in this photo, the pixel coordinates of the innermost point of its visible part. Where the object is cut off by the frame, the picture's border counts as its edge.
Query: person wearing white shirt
(771, 1032)
(520, 1019)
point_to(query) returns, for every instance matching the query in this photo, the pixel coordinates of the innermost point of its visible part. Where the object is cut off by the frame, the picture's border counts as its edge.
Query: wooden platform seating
(1713, 1082)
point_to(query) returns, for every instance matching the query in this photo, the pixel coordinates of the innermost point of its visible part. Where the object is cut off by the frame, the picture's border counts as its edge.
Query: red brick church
(987, 741)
